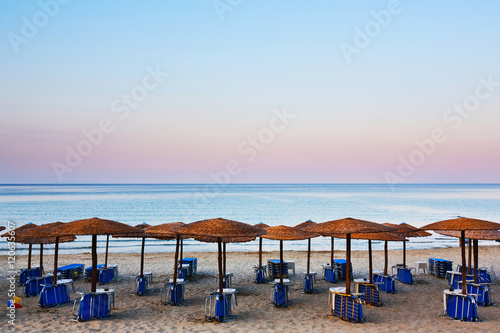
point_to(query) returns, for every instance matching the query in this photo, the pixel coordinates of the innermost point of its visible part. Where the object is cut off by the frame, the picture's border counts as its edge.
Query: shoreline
(416, 307)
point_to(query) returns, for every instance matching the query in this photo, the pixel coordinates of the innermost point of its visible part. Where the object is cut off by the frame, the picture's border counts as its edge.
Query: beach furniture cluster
(469, 286)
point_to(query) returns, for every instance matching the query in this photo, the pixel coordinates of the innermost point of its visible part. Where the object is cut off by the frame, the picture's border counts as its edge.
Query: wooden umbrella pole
(56, 253)
(176, 257)
(142, 256)
(464, 271)
(308, 255)
(469, 268)
(281, 262)
(106, 257)
(348, 264)
(370, 264)
(476, 258)
(182, 251)
(41, 260)
(29, 256)
(385, 257)
(331, 257)
(224, 259)
(93, 286)
(404, 254)
(221, 286)
(260, 252)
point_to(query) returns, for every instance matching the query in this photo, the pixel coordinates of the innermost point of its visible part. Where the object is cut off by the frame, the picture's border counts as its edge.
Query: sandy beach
(415, 308)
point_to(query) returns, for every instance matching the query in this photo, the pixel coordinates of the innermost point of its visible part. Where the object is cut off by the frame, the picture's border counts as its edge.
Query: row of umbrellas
(224, 231)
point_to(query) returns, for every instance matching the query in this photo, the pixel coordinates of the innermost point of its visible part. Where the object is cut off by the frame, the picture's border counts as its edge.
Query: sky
(235, 91)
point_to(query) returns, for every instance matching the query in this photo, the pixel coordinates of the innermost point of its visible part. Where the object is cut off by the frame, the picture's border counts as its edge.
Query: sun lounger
(329, 273)
(88, 272)
(439, 267)
(281, 292)
(387, 283)
(94, 305)
(309, 281)
(482, 292)
(55, 294)
(341, 268)
(219, 307)
(347, 307)
(482, 274)
(72, 271)
(460, 306)
(369, 293)
(260, 273)
(274, 268)
(404, 275)
(26, 274)
(34, 286)
(171, 293)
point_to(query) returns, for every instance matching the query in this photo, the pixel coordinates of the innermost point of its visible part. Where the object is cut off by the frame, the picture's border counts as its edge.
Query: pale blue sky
(353, 120)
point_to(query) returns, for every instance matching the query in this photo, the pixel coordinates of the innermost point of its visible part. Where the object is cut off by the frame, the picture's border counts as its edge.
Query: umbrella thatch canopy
(18, 231)
(349, 226)
(308, 226)
(283, 233)
(38, 235)
(462, 224)
(139, 234)
(220, 228)
(474, 236)
(93, 226)
(32, 234)
(383, 236)
(260, 225)
(166, 231)
(406, 230)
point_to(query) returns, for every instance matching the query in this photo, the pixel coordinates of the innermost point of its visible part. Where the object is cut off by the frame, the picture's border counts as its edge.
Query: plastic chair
(421, 266)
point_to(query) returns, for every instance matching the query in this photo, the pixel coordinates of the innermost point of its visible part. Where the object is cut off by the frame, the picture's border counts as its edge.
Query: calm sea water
(273, 204)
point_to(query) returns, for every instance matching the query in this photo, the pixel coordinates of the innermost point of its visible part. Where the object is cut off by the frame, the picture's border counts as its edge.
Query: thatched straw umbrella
(384, 236)
(406, 230)
(18, 233)
(36, 236)
(283, 233)
(93, 226)
(260, 225)
(462, 224)
(220, 228)
(165, 231)
(309, 226)
(475, 236)
(349, 226)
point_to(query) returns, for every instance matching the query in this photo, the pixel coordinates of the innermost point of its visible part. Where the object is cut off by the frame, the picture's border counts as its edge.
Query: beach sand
(415, 308)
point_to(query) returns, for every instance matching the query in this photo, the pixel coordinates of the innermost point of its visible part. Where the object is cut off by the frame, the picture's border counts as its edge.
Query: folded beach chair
(370, 293)
(385, 283)
(219, 307)
(34, 286)
(482, 293)
(330, 274)
(171, 293)
(309, 281)
(142, 285)
(26, 274)
(106, 275)
(348, 307)
(260, 273)
(92, 306)
(459, 306)
(281, 293)
(54, 295)
(404, 275)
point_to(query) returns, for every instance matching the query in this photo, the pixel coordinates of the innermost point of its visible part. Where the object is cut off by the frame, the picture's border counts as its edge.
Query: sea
(273, 204)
